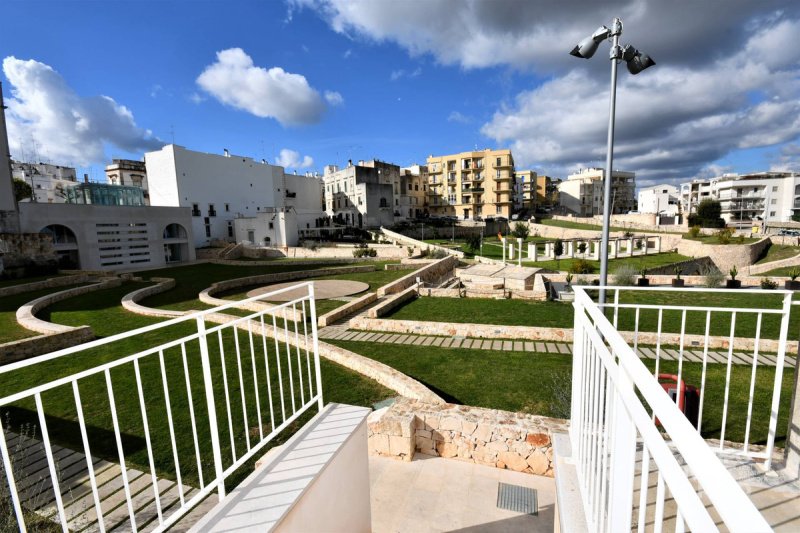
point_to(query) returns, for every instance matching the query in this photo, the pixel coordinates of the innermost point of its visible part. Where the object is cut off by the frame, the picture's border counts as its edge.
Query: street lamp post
(636, 63)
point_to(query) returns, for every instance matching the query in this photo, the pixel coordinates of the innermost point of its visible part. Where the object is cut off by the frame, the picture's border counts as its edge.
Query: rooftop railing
(627, 434)
(193, 409)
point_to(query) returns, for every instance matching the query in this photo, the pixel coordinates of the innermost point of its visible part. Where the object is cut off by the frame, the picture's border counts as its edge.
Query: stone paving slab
(428, 341)
(456, 343)
(418, 341)
(529, 346)
(408, 340)
(497, 345)
(518, 346)
(438, 341)
(563, 348)
(540, 347)
(551, 348)
(447, 342)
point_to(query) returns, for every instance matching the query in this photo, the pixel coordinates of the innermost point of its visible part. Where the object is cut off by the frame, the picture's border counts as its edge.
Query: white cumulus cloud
(46, 113)
(235, 80)
(291, 159)
(334, 98)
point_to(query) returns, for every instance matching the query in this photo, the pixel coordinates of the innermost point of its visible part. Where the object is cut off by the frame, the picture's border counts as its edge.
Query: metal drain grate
(517, 499)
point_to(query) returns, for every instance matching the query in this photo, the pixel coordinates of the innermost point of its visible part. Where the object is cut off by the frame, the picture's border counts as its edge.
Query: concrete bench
(317, 481)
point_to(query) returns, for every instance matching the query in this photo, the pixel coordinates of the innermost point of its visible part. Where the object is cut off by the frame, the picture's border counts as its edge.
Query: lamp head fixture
(635, 60)
(587, 47)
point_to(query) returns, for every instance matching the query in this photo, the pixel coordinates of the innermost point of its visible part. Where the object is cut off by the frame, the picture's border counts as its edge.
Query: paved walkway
(35, 487)
(341, 332)
(434, 494)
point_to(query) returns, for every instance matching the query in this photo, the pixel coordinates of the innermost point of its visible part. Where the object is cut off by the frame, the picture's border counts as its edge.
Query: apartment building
(546, 191)
(47, 181)
(222, 188)
(413, 189)
(746, 199)
(659, 199)
(581, 194)
(525, 182)
(471, 185)
(365, 195)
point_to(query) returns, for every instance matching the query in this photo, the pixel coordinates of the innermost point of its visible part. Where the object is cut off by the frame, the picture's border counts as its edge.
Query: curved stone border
(207, 295)
(383, 374)
(50, 283)
(429, 272)
(419, 244)
(130, 301)
(311, 261)
(26, 315)
(347, 309)
(766, 267)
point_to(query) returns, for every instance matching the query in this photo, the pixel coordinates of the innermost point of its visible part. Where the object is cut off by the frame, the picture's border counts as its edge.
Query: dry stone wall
(131, 300)
(501, 439)
(347, 309)
(59, 281)
(22, 349)
(385, 307)
(725, 256)
(430, 273)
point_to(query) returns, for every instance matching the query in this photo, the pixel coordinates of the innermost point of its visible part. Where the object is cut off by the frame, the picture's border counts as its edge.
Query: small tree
(473, 242)
(581, 247)
(521, 230)
(558, 247)
(22, 190)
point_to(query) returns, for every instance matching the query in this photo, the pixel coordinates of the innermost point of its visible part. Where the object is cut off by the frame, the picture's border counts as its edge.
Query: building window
(498, 162)
(774, 201)
(271, 225)
(384, 203)
(211, 211)
(227, 208)
(772, 213)
(774, 188)
(230, 227)
(195, 210)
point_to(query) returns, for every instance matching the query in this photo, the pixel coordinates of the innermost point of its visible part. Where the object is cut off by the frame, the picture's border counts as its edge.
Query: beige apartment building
(525, 186)
(471, 184)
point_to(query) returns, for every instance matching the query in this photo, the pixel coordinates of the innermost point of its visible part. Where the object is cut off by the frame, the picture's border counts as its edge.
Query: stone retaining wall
(669, 241)
(19, 350)
(725, 256)
(26, 315)
(392, 302)
(502, 439)
(766, 267)
(399, 237)
(384, 251)
(690, 267)
(430, 273)
(347, 309)
(59, 281)
(272, 262)
(131, 300)
(641, 222)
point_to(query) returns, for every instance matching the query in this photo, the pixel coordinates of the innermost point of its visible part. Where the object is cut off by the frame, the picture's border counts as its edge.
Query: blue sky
(399, 81)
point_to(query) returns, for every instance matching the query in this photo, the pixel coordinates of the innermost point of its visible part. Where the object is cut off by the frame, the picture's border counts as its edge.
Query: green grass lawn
(639, 262)
(492, 246)
(19, 281)
(568, 224)
(540, 383)
(10, 330)
(779, 272)
(101, 311)
(558, 314)
(776, 252)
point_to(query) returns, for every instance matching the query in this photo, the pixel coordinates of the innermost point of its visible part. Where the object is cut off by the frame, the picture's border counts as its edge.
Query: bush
(362, 250)
(581, 247)
(627, 234)
(437, 254)
(410, 250)
(724, 235)
(558, 247)
(581, 266)
(769, 284)
(694, 232)
(708, 215)
(625, 275)
(521, 230)
(473, 242)
(713, 277)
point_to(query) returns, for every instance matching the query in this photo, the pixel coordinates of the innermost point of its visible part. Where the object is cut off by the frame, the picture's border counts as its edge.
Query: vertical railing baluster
(577, 383)
(727, 382)
(616, 308)
(308, 358)
(87, 453)
(171, 426)
(227, 395)
(51, 462)
(235, 331)
(776, 391)
(113, 407)
(678, 400)
(658, 521)
(289, 360)
(703, 376)
(148, 443)
(191, 415)
(255, 379)
(297, 350)
(752, 385)
(644, 489)
(208, 385)
(636, 332)
(266, 368)
(623, 458)
(278, 362)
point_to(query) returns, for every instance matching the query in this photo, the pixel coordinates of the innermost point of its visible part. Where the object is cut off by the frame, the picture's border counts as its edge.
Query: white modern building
(365, 195)
(747, 199)
(660, 200)
(221, 188)
(581, 194)
(47, 181)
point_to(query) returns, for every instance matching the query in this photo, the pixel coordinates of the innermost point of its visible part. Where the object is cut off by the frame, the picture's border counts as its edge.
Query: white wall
(656, 199)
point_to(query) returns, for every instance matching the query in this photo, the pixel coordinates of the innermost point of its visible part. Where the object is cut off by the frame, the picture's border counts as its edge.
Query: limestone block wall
(501, 439)
(431, 272)
(725, 256)
(641, 221)
(384, 251)
(385, 307)
(59, 281)
(766, 267)
(347, 309)
(11, 352)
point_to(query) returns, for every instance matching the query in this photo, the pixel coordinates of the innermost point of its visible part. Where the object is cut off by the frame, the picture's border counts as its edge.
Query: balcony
(502, 177)
(476, 189)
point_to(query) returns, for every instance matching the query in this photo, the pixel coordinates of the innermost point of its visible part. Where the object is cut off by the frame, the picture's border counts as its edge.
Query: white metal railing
(699, 319)
(205, 404)
(618, 448)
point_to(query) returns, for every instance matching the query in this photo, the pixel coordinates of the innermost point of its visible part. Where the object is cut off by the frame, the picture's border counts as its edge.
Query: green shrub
(558, 247)
(769, 284)
(724, 235)
(521, 230)
(581, 266)
(362, 250)
(694, 232)
(473, 242)
(713, 277)
(625, 275)
(794, 273)
(581, 247)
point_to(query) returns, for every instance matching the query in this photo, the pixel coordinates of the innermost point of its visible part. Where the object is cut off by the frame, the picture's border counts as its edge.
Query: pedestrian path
(343, 333)
(35, 487)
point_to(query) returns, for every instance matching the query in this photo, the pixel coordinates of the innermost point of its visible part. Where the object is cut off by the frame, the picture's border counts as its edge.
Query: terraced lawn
(639, 262)
(10, 330)
(776, 252)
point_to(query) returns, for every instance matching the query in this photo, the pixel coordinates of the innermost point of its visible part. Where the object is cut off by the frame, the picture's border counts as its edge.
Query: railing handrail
(680, 289)
(736, 509)
(189, 317)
